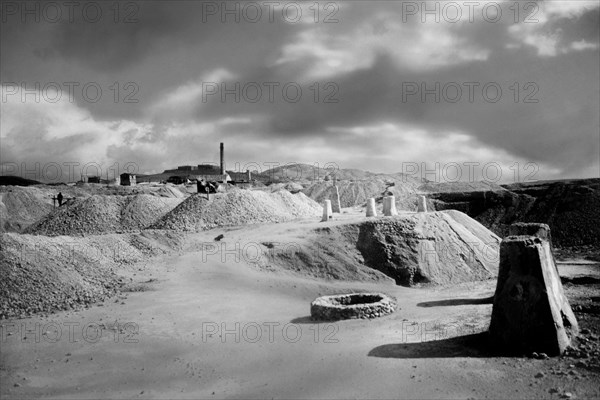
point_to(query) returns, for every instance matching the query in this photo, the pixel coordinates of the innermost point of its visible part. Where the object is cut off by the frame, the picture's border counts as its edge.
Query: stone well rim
(331, 306)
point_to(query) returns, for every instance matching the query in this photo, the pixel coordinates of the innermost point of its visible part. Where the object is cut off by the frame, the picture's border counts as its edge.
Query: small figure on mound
(59, 198)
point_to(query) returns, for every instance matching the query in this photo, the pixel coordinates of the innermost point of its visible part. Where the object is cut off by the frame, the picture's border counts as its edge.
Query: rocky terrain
(104, 214)
(163, 281)
(43, 274)
(237, 207)
(412, 249)
(571, 208)
(21, 206)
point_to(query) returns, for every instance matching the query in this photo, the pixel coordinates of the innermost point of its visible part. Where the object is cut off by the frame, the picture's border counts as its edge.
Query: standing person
(59, 198)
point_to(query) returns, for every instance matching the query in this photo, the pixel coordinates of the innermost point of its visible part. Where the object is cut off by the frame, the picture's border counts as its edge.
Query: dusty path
(180, 350)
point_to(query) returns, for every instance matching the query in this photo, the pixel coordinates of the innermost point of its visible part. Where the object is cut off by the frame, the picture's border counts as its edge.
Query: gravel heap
(22, 206)
(238, 207)
(43, 274)
(104, 214)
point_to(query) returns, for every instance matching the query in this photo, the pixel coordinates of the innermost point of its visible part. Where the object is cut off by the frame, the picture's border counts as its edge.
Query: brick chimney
(222, 159)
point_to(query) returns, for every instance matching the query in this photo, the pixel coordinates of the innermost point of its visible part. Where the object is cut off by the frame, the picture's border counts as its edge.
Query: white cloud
(417, 47)
(583, 45)
(62, 132)
(537, 34)
(183, 100)
(567, 9)
(404, 147)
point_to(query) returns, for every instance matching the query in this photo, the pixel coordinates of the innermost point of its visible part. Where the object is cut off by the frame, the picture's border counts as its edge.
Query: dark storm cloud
(559, 126)
(367, 58)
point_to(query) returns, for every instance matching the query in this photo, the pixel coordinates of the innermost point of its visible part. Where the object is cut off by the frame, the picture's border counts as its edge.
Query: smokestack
(222, 159)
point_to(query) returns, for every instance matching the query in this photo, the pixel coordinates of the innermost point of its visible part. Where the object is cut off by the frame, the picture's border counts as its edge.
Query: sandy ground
(208, 327)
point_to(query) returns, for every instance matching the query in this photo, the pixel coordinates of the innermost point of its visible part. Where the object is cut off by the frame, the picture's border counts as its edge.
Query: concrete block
(327, 213)
(530, 312)
(422, 204)
(371, 211)
(389, 206)
(336, 205)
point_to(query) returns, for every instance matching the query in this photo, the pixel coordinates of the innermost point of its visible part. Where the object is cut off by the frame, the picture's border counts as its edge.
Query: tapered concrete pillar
(336, 206)
(371, 211)
(530, 229)
(389, 206)
(421, 204)
(531, 312)
(327, 213)
(533, 229)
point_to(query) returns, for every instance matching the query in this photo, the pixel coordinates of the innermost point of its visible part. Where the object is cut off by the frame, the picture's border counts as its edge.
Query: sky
(447, 91)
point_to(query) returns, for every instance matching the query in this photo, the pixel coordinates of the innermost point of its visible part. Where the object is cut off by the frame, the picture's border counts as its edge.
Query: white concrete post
(327, 213)
(389, 206)
(336, 206)
(371, 211)
(422, 204)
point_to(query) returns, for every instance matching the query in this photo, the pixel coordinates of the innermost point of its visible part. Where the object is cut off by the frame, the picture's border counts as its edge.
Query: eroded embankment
(413, 248)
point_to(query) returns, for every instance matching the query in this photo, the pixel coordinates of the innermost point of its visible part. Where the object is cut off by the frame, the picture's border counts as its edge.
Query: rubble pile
(104, 214)
(238, 207)
(43, 274)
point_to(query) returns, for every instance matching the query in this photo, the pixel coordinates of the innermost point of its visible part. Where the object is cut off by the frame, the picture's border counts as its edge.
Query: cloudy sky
(381, 86)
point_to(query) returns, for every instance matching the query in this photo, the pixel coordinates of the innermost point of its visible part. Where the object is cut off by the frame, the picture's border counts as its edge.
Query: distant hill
(310, 173)
(16, 181)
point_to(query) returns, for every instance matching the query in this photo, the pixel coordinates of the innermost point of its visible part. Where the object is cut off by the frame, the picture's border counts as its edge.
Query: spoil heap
(22, 206)
(104, 214)
(238, 207)
(434, 248)
(43, 274)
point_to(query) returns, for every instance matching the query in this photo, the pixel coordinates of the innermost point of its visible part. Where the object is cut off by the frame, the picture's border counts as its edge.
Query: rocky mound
(441, 248)
(21, 207)
(44, 274)
(238, 207)
(104, 214)
(356, 193)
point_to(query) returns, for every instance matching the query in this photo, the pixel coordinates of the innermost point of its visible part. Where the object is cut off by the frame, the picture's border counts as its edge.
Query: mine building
(128, 179)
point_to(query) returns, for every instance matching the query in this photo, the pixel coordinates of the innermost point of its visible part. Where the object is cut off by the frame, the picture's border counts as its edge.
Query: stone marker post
(371, 211)
(389, 206)
(530, 312)
(336, 206)
(326, 211)
(421, 204)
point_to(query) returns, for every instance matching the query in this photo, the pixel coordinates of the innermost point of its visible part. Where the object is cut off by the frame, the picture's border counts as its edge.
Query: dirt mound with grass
(104, 214)
(238, 207)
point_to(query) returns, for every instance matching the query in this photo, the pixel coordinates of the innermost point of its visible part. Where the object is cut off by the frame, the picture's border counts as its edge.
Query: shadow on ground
(308, 320)
(456, 302)
(475, 345)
